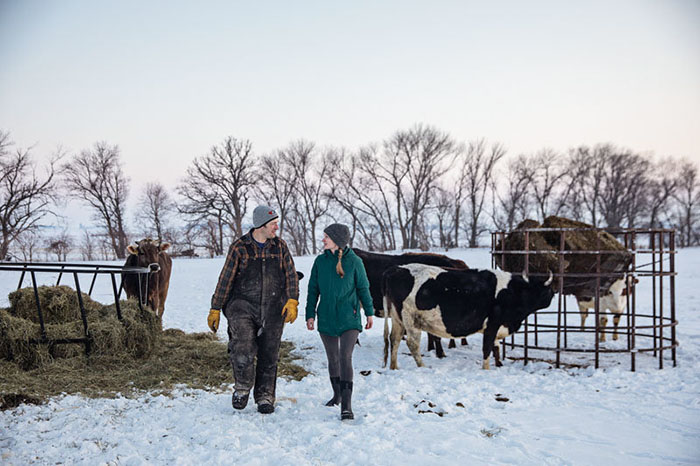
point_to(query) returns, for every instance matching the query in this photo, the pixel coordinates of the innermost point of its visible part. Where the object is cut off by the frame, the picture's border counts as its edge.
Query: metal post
(83, 316)
(38, 306)
(633, 331)
(60, 274)
(661, 301)
(116, 296)
(21, 278)
(653, 287)
(94, 277)
(562, 241)
(672, 271)
(526, 327)
(597, 301)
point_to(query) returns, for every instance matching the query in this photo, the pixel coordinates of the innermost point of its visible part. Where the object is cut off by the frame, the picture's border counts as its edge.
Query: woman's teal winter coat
(339, 309)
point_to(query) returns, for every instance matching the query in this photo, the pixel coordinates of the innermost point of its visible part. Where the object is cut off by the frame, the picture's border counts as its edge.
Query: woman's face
(328, 243)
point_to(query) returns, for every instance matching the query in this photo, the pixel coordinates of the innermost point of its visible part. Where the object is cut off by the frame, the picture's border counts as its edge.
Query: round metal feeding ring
(636, 281)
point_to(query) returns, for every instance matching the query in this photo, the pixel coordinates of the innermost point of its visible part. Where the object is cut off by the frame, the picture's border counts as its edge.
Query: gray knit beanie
(339, 233)
(262, 215)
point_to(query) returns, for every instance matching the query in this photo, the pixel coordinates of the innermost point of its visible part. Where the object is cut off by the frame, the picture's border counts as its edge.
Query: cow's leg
(452, 343)
(155, 304)
(436, 343)
(488, 344)
(413, 342)
(584, 313)
(396, 335)
(497, 353)
(464, 342)
(616, 323)
(439, 352)
(603, 324)
(386, 338)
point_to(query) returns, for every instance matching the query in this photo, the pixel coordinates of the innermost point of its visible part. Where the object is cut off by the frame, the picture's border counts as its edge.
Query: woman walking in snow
(338, 276)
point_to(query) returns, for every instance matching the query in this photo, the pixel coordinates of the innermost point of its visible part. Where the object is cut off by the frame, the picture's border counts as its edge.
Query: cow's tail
(387, 316)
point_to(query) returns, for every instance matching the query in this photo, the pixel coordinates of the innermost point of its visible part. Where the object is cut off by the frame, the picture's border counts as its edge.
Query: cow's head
(531, 294)
(147, 251)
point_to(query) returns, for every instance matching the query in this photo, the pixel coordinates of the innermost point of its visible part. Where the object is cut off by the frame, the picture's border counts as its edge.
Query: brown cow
(151, 254)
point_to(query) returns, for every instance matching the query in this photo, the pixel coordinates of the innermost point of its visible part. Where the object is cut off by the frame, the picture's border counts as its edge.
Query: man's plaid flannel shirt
(275, 248)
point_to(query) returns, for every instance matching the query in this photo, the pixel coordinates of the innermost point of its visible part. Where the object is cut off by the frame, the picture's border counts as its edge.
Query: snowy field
(552, 416)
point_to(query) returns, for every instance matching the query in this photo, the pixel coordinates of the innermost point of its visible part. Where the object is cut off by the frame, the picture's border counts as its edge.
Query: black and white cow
(376, 264)
(458, 303)
(614, 300)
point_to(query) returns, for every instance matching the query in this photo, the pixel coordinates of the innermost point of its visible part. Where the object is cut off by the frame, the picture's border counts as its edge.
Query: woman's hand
(310, 323)
(370, 321)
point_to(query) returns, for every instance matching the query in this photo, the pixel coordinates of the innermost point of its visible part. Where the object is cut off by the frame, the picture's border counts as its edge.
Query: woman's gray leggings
(339, 353)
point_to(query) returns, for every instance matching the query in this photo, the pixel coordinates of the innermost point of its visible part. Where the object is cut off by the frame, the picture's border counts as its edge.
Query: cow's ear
(428, 294)
(164, 246)
(133, 249)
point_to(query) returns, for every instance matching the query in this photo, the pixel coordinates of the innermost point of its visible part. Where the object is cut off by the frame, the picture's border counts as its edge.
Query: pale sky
(167, 80)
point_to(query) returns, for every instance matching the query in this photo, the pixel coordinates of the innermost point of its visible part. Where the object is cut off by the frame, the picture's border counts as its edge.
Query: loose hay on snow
(195, 360)
(127, 357)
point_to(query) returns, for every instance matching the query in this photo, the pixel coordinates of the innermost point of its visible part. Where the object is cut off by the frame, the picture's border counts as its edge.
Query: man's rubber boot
(239, 400)
(346, 400)
(266, 408)
(335, 383)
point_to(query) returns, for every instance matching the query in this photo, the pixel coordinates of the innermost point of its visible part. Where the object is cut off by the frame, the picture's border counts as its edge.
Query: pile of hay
(128, 357)
(547, 245)
(134, 336)
(195, 360)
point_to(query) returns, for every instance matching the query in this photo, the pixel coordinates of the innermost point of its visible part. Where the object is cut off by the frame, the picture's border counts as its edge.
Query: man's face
(270, 229)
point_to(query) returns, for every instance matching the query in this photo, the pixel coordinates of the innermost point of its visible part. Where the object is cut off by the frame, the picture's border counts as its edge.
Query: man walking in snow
(258, 290)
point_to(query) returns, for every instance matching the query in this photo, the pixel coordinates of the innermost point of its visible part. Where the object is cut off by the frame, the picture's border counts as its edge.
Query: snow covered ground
(552, 416)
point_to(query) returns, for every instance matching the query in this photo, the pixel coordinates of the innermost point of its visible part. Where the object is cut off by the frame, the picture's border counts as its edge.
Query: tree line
(418, 188)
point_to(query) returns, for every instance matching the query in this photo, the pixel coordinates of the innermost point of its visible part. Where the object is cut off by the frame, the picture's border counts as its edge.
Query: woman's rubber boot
(335, 383)
(346, 400)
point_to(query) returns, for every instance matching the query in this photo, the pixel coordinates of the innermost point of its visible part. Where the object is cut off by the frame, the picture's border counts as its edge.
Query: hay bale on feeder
(58, 304)
(541, 259)
(135, 336)
(586, 239)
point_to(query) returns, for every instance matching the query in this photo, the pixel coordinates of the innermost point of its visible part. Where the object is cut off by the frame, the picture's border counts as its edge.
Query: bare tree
(511, 206)
(310, 176)
(95, 176)
(217, 186)
(359, 186)
(277, 183)
(688, 203)
(547, 176)
(412, 162)
(25, 197)
(60, 245)
(476, 170)
(297, 229)
(624, 179)
(584, 176)
(444, 213)
(28, 244)
(154, 210)
(663, 184)
(88, 248)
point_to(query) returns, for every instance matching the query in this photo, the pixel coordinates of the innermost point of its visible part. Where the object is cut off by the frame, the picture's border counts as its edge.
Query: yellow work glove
(291, 310)
(213, 320)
